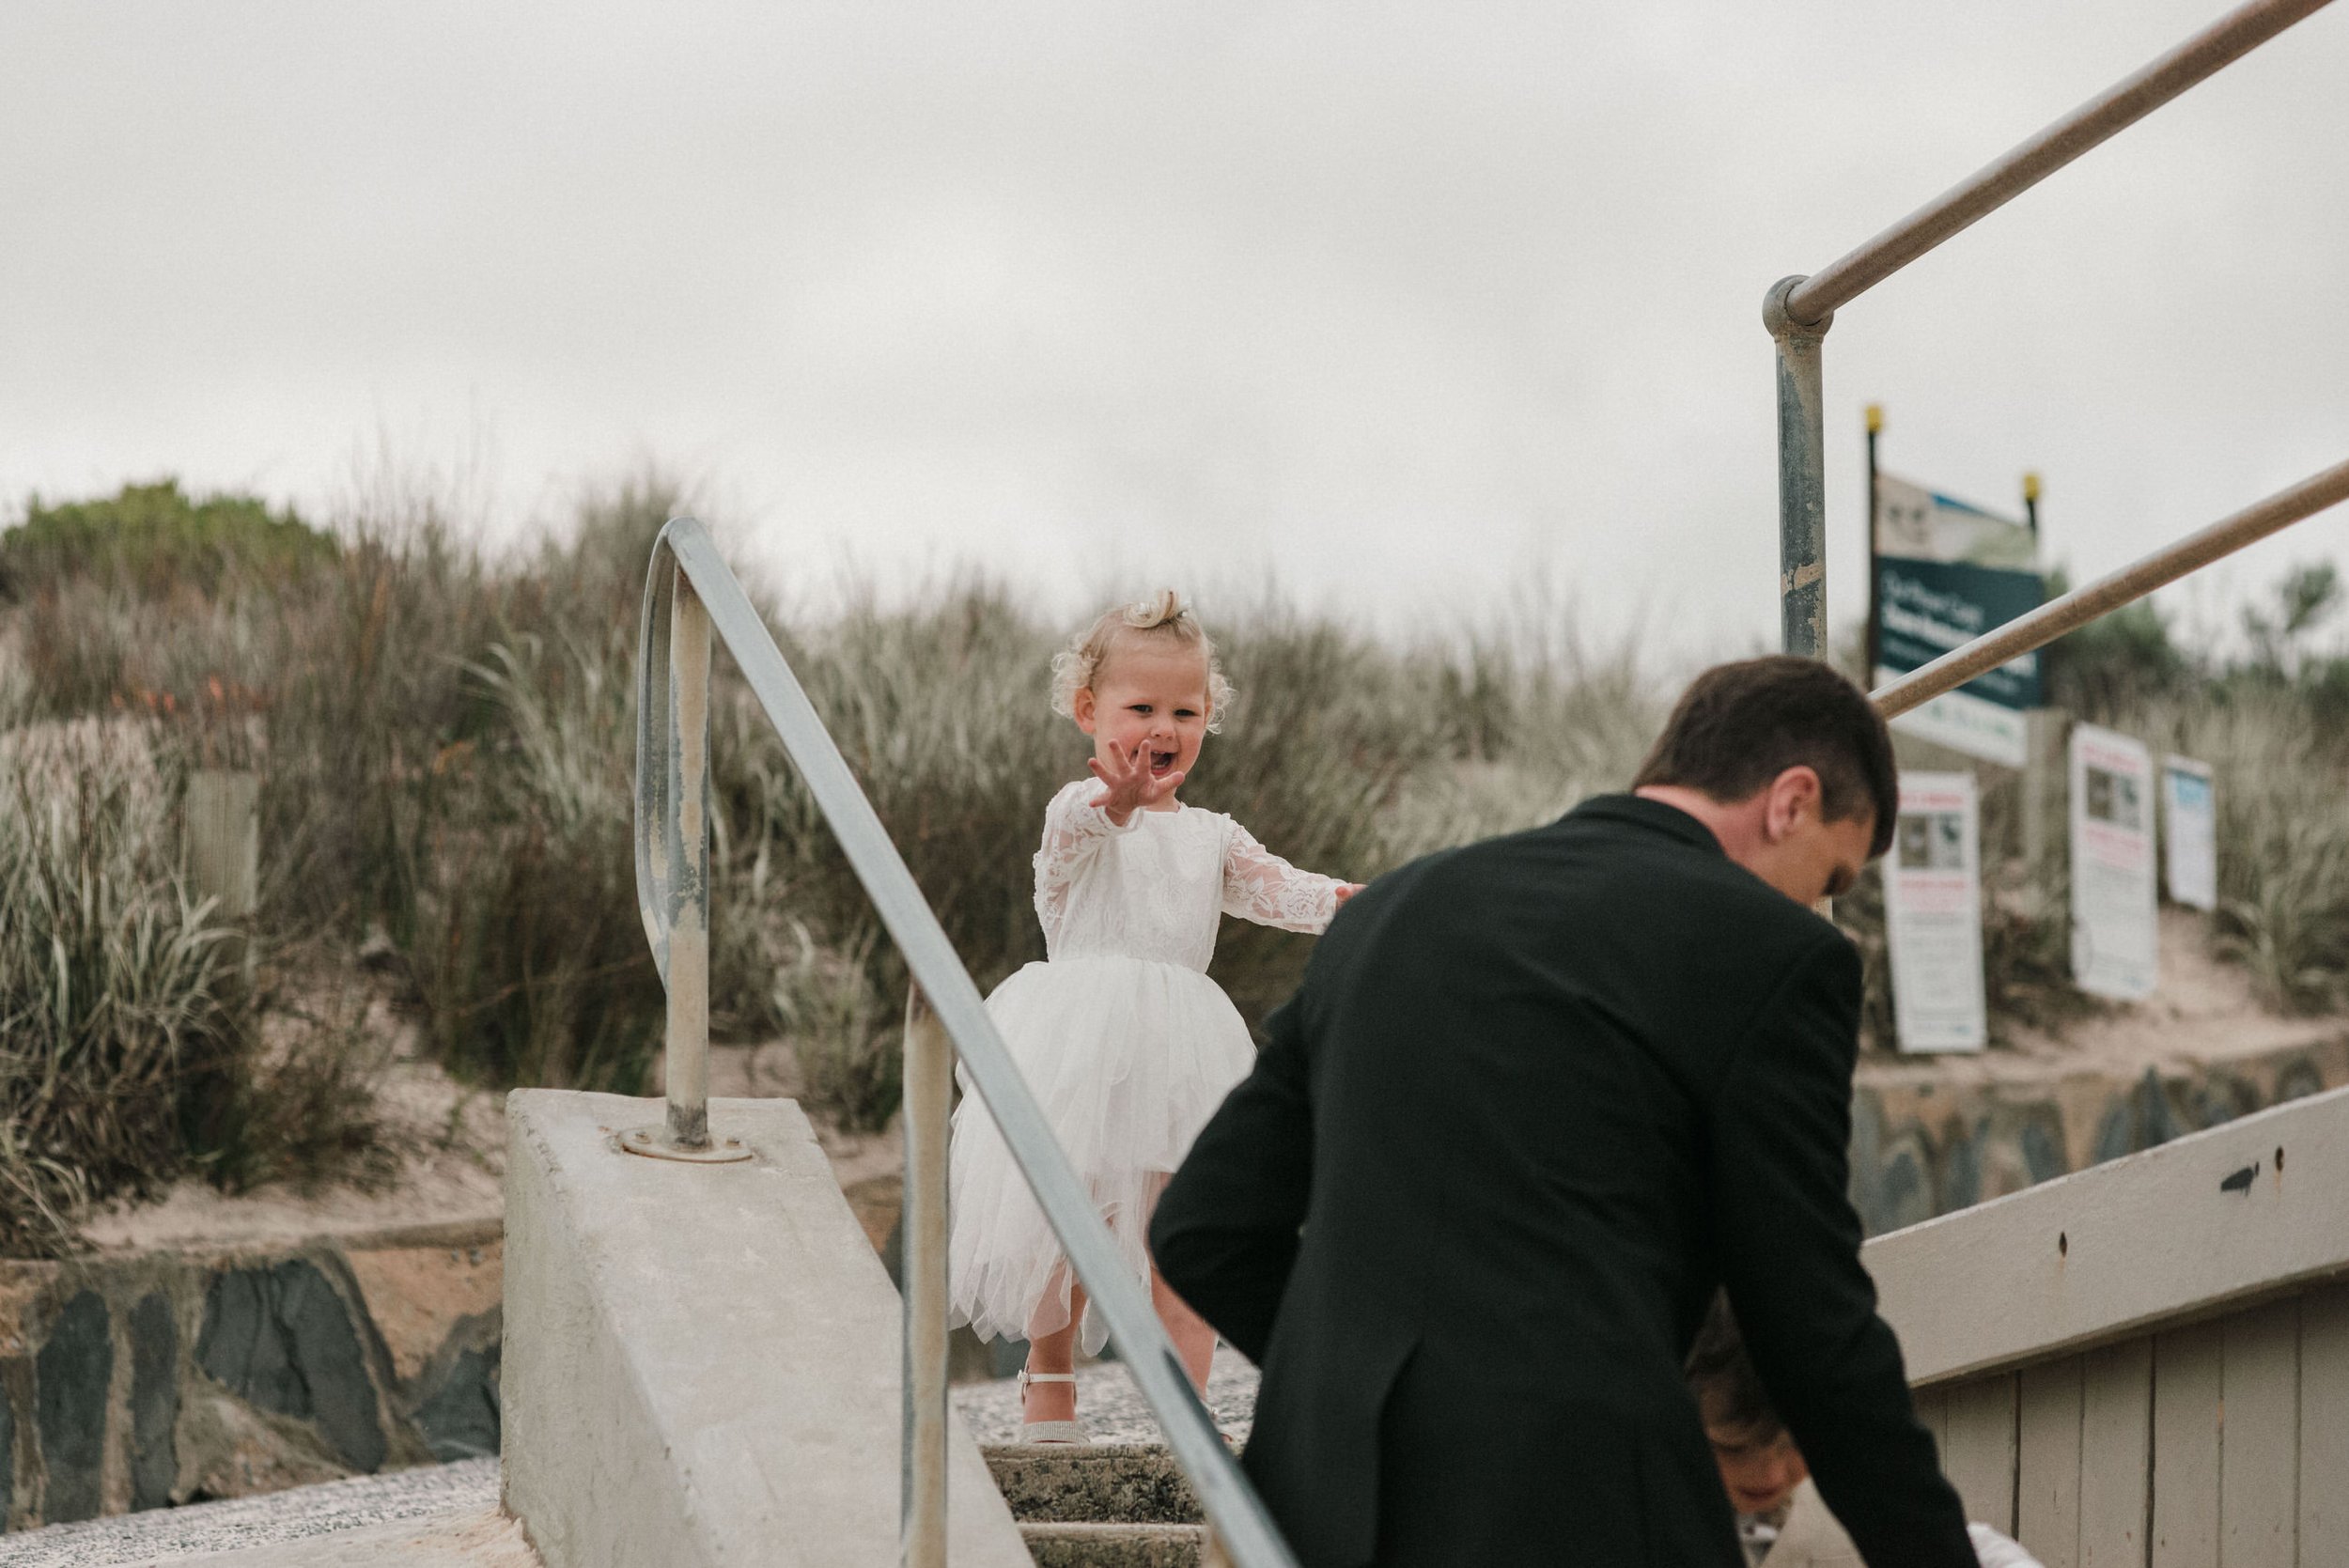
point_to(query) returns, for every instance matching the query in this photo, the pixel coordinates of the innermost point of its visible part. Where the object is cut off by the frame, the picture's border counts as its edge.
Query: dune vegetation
(445, 741)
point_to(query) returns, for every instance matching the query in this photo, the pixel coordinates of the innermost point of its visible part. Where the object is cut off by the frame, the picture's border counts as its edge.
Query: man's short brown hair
(1740, 725)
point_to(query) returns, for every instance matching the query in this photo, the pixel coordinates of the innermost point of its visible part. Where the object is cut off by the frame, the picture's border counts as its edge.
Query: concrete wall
(169, 1377)
(702, 1362)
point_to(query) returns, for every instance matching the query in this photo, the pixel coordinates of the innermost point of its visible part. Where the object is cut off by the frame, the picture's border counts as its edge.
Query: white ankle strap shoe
(1050, 1431)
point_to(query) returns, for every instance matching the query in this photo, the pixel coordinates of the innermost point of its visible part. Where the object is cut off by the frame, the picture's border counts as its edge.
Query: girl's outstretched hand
(1347, 890)
(1129, 784)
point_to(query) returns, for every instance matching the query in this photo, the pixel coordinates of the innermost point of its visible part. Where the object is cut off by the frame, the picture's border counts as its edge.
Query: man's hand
(1129, 786)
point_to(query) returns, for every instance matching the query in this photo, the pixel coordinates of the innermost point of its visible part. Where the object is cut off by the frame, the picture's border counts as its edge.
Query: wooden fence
(2147, 1364)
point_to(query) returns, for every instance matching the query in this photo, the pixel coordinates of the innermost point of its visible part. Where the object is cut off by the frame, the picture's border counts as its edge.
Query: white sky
(1402, 305)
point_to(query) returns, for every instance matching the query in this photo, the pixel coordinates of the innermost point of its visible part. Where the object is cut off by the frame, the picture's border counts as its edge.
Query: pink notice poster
(2112, 865)
(1932, 915)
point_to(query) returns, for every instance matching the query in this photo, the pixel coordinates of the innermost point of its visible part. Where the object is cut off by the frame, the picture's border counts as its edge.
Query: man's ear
(1795, 794)
(1081, 706)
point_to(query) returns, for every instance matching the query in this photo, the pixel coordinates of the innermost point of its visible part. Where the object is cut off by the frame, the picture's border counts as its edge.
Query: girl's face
(1758, 1471)
(1150, 693)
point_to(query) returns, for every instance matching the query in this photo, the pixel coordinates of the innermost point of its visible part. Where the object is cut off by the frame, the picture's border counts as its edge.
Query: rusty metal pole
(929, 1083)
(1801, 475)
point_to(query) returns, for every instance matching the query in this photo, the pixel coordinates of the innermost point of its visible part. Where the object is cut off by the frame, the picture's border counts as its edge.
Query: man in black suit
(1535, 1100)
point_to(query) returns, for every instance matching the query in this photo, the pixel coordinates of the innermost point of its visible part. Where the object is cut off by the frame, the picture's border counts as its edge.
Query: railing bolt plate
(654, 1144)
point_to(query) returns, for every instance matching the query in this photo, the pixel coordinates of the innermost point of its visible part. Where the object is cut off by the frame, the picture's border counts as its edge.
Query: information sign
(1932, 915)
(2113, 931)
(2190, 832)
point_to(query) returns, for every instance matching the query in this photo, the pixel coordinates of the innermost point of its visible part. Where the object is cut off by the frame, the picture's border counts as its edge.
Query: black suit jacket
(1536, 1098)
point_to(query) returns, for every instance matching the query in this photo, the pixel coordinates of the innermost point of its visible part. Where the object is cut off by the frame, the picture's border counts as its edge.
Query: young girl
(1782, 1522)
(1126, 1043)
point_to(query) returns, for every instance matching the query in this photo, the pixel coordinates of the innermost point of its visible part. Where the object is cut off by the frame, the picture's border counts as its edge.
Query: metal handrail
(689, 591)
(1797, 311)
(2083, 604)
(2003, 178)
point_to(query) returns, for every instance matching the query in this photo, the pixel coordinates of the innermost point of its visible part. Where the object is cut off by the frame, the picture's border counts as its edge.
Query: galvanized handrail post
(688, 1035)
(929, 1084)
(681, 850)
(1801, 474)
(1799, 310)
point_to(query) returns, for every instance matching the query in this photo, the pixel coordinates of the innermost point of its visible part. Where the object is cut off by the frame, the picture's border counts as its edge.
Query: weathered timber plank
(2258, 1458)
(2187, 1415)
(2116, 1454)
(2325, 1427)
(1980, 1459)
(2124, 1248)
(1933, 1412)
(2047, 1462)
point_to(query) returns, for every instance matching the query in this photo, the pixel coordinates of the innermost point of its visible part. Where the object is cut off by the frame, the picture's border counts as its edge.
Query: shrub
(156, 541)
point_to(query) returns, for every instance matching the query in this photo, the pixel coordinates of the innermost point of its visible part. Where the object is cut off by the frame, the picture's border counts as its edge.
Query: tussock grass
(130, 1043)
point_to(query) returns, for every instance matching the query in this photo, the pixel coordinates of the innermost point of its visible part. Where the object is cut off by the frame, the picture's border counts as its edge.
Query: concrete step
(1106, 1483)
(1106, 1546)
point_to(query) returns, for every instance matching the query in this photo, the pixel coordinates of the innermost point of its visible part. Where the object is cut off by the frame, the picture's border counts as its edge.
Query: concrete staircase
(1105, 1506)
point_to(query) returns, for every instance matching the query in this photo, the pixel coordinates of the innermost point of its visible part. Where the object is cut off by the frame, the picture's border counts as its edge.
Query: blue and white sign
(1947, 573)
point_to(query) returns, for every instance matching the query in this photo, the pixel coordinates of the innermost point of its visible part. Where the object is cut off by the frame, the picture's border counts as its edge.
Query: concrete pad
(702, 1366)
(484, 1538)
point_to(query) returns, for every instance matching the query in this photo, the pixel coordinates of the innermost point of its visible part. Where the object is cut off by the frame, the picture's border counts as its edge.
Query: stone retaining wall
(1924, 1145)
(168, 1377)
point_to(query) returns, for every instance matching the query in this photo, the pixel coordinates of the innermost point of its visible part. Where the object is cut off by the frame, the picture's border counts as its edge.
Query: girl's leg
(1194, 1341)
(1054, 1352)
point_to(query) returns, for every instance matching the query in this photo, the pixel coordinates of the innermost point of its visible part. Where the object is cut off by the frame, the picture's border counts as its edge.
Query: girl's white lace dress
(1127, 1043)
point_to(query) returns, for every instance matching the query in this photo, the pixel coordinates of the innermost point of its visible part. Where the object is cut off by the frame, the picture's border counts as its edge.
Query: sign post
(2113, 933)
(1932, 915)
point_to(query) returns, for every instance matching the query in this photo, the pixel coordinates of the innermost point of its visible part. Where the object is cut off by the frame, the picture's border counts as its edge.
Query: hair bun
(1164, 606)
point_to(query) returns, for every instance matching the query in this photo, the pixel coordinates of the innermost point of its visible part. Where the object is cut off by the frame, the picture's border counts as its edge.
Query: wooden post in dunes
(223, 845)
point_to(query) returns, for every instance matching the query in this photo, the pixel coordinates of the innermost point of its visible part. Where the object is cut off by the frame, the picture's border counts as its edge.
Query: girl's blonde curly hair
(1163, 614)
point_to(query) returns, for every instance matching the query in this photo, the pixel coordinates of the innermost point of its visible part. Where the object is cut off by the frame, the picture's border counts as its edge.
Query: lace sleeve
(1074, 829)
(1259, 885)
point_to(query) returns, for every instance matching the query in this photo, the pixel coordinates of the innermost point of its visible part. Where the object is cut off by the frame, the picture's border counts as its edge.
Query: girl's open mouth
(1161, 763)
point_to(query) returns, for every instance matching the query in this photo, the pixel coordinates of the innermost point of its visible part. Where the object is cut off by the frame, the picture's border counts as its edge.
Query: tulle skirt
(1127, 1058)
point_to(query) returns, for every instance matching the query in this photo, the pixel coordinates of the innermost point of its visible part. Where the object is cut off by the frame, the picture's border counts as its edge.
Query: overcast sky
(1405, 305)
